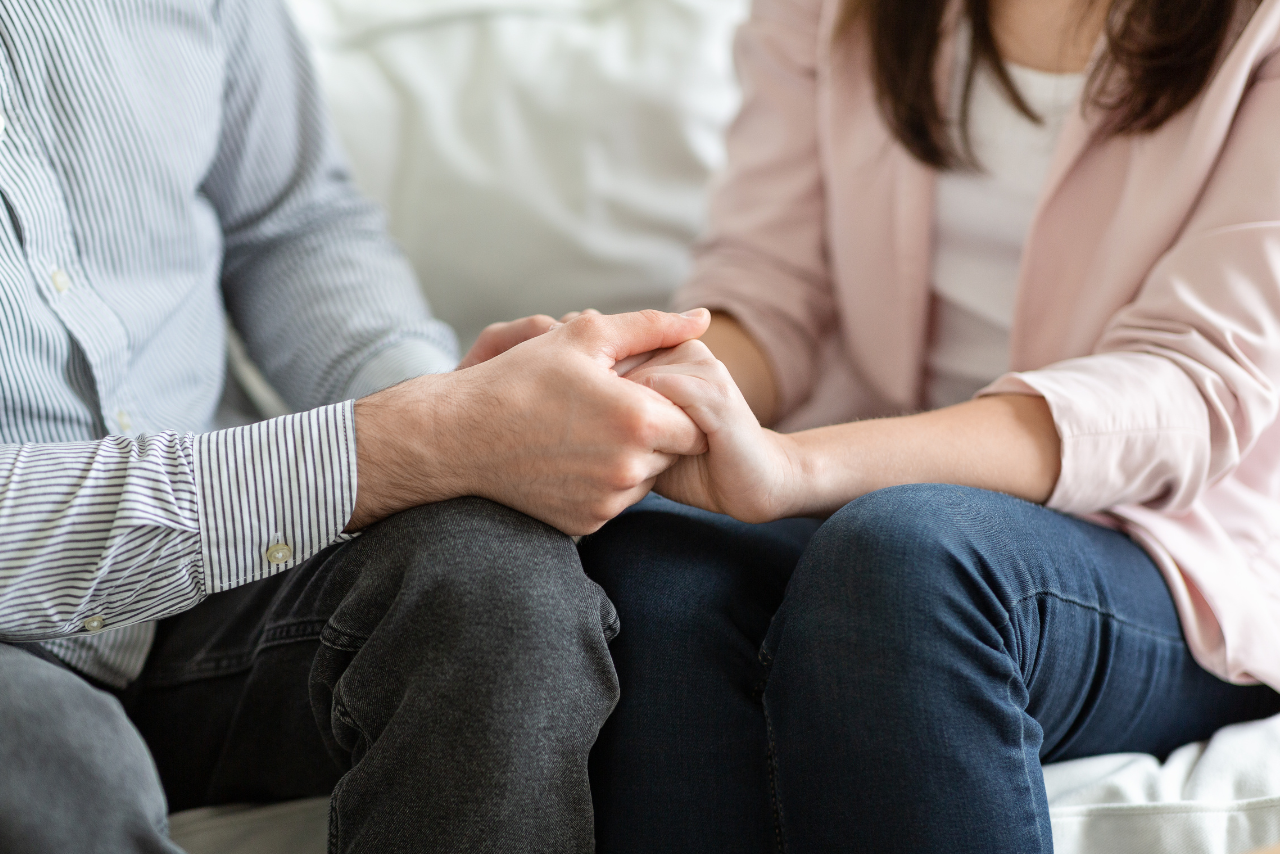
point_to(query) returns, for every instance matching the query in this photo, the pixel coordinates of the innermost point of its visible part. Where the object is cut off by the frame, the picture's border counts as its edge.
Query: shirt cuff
(1133, 427)
(271, 495)
(404, 360)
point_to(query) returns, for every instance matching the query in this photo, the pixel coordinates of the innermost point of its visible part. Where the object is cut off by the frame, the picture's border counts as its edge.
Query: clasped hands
(573, 421)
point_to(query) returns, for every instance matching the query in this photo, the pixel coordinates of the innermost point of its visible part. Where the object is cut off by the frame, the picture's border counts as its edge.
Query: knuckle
(627, 475)
(587, 325)
(699, 351)
(632, 418)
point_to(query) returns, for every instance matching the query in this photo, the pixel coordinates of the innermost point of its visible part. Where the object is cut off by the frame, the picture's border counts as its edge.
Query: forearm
(747, 364)
(1004, 443)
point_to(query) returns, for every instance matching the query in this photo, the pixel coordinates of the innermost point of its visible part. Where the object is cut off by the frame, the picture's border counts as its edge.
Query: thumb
(617, 336)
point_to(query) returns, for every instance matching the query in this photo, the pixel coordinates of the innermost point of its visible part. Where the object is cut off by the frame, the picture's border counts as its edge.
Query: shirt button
(61, 281)
(279, 553)
(122, 418)
(95, 624)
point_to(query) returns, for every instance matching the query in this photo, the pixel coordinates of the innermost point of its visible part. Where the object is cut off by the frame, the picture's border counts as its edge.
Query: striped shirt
(162, 161)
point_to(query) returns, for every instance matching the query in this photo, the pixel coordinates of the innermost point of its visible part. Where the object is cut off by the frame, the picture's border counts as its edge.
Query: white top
(980, 226)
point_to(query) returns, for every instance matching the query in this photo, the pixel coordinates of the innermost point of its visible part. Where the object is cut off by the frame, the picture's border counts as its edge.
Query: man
(443, 674)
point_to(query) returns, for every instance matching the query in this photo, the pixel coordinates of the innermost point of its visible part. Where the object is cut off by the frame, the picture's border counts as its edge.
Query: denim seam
(774, 800)
(336, 638)
(224, 665)
(283, 633)
(237, 662)
(1121, 620)
(771, 755)
(335, 820)
(1027, 773)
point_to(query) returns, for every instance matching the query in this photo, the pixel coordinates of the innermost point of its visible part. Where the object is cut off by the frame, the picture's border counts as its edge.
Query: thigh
(76, 775)
(1080, 610)
(1100, 647)
(937, 642)
(458, 643)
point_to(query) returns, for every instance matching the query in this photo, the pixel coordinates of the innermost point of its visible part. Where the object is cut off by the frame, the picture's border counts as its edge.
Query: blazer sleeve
(763, 259)
(1184, 380)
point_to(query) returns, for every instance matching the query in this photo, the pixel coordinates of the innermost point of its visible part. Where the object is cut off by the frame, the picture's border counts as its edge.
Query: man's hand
(497, 338)
(546, 427)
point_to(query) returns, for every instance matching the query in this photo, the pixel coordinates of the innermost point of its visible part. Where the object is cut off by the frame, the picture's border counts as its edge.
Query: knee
(73, 764)
(897, 561)
(490, 568)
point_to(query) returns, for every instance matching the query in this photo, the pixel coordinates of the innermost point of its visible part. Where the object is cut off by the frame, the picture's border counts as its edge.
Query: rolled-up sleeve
(1184, 380)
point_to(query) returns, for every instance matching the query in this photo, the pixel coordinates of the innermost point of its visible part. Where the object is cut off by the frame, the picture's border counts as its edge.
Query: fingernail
(693, 312)
(556, 325)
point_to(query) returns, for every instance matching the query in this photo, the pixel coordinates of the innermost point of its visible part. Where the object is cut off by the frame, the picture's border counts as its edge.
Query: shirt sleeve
(325, 302)
(99, 535)
(1186, 378)
(764, 259)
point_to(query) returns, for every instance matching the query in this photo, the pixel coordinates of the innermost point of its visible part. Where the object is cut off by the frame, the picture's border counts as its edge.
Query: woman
(1054, 226)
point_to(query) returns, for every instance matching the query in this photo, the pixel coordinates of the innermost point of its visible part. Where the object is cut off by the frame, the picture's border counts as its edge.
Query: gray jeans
(444, 676)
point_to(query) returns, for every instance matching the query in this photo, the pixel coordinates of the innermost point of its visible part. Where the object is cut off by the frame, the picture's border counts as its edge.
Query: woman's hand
(1004, 443)
(498, 338)
(748, 472)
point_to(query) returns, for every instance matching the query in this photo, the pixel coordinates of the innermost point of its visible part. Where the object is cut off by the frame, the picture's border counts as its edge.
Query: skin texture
(544, 424)
(1058, 36)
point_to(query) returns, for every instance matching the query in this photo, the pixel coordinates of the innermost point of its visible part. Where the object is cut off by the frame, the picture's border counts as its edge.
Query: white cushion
(1220, 797)
(532, 155)
(296, 827)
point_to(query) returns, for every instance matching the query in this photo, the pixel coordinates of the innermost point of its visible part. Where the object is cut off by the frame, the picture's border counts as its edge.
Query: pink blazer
(1148, 310)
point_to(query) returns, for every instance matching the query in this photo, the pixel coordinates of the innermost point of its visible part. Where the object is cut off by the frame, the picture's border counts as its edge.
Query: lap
(1080, 610)
(458, 642)
(235, 701)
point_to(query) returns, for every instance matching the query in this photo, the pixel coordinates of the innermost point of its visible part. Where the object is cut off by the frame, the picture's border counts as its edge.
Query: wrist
(405, 454)
(799, 473)
(828, 472)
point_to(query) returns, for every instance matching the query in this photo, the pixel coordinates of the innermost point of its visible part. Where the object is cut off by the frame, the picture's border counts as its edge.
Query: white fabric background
(533, 155)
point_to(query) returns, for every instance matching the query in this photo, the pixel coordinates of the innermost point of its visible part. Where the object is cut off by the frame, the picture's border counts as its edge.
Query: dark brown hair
(1159, 55)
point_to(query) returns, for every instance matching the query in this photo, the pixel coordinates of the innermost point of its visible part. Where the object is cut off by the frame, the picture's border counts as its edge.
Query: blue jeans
(889, 680)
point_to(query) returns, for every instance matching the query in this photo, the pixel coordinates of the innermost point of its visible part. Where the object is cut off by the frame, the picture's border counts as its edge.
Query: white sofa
(547, 155)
